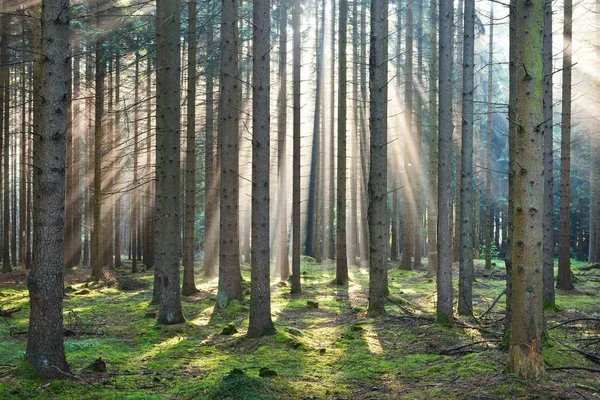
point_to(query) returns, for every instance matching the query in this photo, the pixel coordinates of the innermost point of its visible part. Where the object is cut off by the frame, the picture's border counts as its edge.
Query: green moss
(443, 319)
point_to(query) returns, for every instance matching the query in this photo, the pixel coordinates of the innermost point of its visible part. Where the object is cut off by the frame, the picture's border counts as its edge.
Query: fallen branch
(573, 367)
(493, 304)
(8, 313)
(574, 320)
(490, 332)
(447, 352)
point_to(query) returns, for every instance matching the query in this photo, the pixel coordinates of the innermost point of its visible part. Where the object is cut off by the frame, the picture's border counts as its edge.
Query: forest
(299, 199)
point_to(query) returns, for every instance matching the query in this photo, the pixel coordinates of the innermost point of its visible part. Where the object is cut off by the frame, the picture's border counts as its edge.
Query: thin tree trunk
(117, 166)
(189, 286)
(134, 193)
(465, 281)
(331, 253)
(488, 153)
(341, 272)
(432, 216)
(548, 219)
(296, 239)
(564, 281)
(444, 273)
(353, 225)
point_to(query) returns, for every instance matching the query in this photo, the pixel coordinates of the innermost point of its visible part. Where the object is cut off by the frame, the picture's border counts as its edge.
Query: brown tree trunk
(296, 239)
(45, 343)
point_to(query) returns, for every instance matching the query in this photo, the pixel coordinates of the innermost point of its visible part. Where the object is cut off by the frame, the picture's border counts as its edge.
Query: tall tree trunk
(23, 165)
(96, 257)
(118, 157)
(77, 159)
(341, 271)
(488, 153)
(444, 273)
(230, 278)
(331, 253)
(88, 162)
(353, 224)
(260, 323)
(465, 281)
(432, 216)
(458, 131)
(167, 239)
(409, 220)
(211, 187)
(548, 219)
(525, 351)
(377, 189)
(45, 343)
(296, 239)
(564, 281)
(418, 161)
(134, 194)
(364, 154)
(5, 134)
(149, 205)
(189, 287)
(283, 262)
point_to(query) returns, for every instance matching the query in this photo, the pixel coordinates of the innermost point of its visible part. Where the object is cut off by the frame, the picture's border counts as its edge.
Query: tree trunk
(296, 239)
(167, 239)
(331, 249)
(45, 343)
(211, 188)
(96, 257)
(548, 219)
(341, 271)
(488, 153)
(563, 281)
(432, 216)
(465, 281)
(525, 351)
(409, 218)
(230, 278)
(117, 165)
(189, 286)
(260, 323)
(283, 261)
(377, 189)
(353, 224)
(134, 194)
(444, 273)
(5, 134)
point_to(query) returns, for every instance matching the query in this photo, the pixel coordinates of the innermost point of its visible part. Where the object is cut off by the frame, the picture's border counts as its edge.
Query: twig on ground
(493, 303)
(570, 367)
(453, 349)
(574, 320)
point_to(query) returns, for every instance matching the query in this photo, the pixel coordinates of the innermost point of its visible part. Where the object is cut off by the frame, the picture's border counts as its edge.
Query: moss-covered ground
(333, 351)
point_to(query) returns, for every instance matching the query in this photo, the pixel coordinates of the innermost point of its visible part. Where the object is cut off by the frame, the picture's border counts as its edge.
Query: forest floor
(326, 346)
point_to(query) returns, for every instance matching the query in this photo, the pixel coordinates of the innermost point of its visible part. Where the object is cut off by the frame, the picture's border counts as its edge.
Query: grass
(330, 352)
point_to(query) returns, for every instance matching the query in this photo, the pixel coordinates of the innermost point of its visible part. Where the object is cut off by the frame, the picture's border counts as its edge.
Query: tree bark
(45, 343)
(563, 281)
(167, 239)
(260, 323)
(432, 216)
(341, 271)
(548, 219)
(377, 186)
(296, 169)
(488, 153)
(525, 350)
(444, 273)
(230, 278)
(465, 280)
(189, 286)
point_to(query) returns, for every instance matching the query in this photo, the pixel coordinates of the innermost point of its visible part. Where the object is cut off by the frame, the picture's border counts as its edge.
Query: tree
(488, 153)
(409, 221)
(432, 216)
(189, 287)
(211, 212)
(45, 343)
(96, 257)
(444, 273)
(260, 323)
(296, 240)
(134, 196)
(377, 189)
(283, 262)
(230, 277)
(548, 220)
(5, 136)
(525, 350)
(341, 272)
(167, 240)
(465, 280)
(563, 281)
